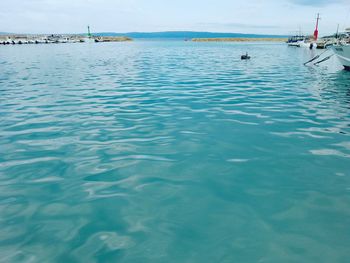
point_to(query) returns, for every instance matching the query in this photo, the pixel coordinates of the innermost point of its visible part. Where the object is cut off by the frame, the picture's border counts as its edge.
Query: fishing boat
(342, 50)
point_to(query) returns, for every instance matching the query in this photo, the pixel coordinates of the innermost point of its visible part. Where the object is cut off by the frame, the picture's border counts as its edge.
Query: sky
(244, 16)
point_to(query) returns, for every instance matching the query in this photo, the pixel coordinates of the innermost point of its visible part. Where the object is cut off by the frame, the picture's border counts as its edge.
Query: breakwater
(112, 39)
(56, 39)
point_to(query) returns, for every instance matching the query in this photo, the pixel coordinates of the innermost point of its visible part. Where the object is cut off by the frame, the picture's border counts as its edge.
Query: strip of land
(112, 39)
(239, 39)
(48, 39)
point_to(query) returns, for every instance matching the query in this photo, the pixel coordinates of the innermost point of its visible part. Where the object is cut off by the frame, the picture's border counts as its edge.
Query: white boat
(308, 44)
(342, 49)
(326, 42)
(305, 41)
(294, 44)
(343, 54)
(295, 40)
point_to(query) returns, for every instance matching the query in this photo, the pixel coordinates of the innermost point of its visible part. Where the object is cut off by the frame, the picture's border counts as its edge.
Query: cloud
(239, 25)
(252, 16)
(316, 2)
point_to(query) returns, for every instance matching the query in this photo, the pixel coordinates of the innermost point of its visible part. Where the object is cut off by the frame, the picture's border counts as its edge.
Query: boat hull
(343, 54)
(294, 44)
(303, 44)
(309, 45)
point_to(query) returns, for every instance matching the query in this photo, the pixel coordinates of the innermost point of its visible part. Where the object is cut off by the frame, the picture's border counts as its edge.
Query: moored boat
(342, 50)
(305, 41)
(294, 41)
(308, 43)
(325, 42)
(343, 54)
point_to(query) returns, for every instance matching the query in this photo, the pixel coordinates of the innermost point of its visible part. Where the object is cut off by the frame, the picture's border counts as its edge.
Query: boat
(328, 41)
(342, 50)
(343, 54)
(305, 41)
(245, 57)
(325, 42)
(294, 41)
(308, 43)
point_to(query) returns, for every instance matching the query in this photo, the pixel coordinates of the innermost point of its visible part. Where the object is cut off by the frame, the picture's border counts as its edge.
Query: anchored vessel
(342, 50)
(245, 57)
(343, 54)
(326, 42)
(294, 41)
(305, 41)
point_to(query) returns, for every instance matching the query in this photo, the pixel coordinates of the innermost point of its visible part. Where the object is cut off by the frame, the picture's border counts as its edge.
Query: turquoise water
(173, 152)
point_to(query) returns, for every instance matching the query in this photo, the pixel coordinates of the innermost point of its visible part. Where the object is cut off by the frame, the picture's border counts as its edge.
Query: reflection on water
(173, 152)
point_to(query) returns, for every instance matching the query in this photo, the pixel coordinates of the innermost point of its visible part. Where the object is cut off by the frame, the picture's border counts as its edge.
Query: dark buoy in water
(245, 57)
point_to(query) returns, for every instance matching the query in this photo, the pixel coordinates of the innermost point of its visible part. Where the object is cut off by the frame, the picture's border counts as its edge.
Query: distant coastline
(10, 38)
(186, 35)
(239, 39)
(163, 35)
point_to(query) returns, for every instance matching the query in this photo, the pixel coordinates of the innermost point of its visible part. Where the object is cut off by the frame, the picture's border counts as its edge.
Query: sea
(173, 151)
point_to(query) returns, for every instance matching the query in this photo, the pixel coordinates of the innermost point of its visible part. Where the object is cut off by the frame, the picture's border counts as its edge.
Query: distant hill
(185, 35)
(175, 35)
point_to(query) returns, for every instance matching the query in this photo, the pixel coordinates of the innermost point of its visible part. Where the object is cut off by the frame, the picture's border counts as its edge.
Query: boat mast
(336, 36)
(316, 30)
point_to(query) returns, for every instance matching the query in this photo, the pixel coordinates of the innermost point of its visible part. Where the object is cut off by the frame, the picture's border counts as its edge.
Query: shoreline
(58, 39)
(239, 39)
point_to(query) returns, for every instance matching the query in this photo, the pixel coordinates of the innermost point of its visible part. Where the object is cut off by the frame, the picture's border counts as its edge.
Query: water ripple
(140, 152)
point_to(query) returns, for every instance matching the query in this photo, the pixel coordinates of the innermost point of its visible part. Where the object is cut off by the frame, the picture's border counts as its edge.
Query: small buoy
(245, 57)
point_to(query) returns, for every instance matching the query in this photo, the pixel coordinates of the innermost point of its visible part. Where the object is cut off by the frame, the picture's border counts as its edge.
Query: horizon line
(146, 32)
